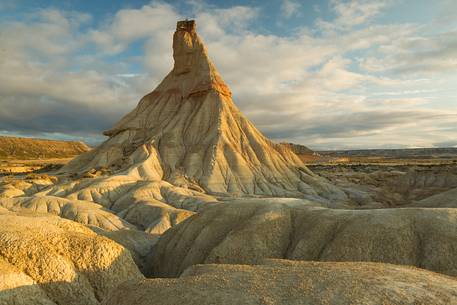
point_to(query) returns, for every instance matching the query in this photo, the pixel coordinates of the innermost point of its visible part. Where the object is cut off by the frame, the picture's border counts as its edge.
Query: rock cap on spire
(186, 25)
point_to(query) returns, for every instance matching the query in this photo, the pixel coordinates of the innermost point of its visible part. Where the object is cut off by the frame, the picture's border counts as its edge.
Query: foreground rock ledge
(49, 260)
(288, 283)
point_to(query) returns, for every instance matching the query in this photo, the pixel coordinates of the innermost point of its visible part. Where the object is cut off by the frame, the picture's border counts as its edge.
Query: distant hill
(407, 153)
(304, 153)
(298, 149)
(29, 148)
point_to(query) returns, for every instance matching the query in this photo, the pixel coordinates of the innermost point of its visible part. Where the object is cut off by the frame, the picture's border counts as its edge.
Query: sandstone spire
(189, 132)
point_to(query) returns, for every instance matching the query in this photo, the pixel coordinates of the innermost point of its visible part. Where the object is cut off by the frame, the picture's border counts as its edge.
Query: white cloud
(427, 54)
(350, 13)
(290, 8)
(355, 12)
(129, 25)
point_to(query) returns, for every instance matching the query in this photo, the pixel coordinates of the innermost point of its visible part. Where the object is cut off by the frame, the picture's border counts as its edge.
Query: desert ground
(187, 202)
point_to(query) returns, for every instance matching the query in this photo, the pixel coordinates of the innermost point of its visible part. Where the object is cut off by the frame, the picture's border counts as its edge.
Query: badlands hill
(28, 148)
(189, 132)
(305, 154)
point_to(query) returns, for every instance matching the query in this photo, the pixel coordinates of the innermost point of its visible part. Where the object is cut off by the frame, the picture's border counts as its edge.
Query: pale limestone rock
(292, 283)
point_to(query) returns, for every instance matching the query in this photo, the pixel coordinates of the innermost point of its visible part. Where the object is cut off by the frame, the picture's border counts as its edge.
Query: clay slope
(292, 283)
(246, 233)
(28, 148)
(111, 203)
(189, 132)
(84, 212)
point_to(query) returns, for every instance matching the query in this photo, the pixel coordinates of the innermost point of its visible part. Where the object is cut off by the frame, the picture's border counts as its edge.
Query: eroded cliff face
(189, 132)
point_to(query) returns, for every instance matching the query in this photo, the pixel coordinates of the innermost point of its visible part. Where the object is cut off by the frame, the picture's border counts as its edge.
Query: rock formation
(246, 233)
(84, 212)
(189, 132)
(49, 260)
(290, 282)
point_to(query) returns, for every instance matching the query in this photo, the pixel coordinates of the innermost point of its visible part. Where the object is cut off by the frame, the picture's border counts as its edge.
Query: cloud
(355, 12)
(381, 129)
(290, 8)
(364, 123)
(446, 15)
(43, 88)
(402, 102)
(129, 25)
(418, 54)
(49, 33)
(351, 13)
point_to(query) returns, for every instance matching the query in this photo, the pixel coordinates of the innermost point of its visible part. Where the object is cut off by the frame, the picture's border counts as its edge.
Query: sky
(329, 74)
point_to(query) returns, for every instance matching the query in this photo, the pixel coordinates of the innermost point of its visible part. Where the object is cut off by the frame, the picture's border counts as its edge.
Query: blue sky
(328, 74)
